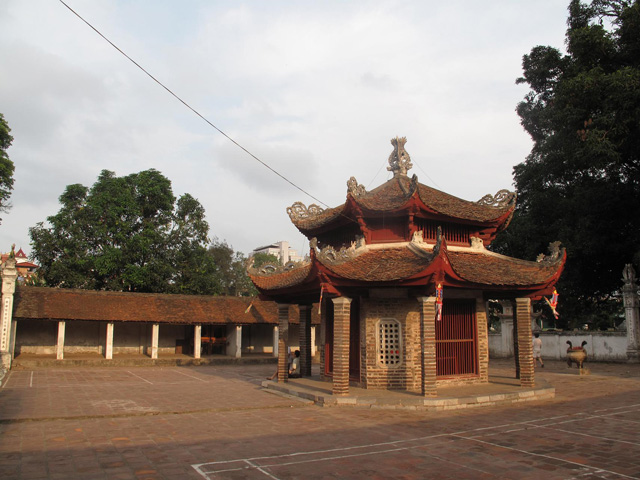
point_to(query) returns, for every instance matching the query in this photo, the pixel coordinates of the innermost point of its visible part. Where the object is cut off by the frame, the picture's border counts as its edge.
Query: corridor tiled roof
(72, 304)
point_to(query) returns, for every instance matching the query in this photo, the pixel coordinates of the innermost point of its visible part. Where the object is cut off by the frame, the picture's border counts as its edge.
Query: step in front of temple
(450, 398)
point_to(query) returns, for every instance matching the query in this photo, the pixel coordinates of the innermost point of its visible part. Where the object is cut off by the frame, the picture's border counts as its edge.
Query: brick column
(60, 342)
(428, 345)
(483, 339)
(341, 324)
(525, 344)
(108, 350)
(283, 339)
(155, 335)
(305, 340)
(197, 341)
(323, 338)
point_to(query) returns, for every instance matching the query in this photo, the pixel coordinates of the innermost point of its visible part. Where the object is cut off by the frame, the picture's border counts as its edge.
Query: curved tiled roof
(287, 278)
(492, 269)
(397, 192)
(405, 261)
(381, 265)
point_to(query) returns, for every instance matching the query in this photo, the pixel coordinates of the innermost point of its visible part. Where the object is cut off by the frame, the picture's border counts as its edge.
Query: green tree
(125, 234)
(231, 272)
(581, 182)
(6, 165)
(260, 259)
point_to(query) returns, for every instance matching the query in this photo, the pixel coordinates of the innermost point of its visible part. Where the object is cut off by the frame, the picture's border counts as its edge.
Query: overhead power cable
(191, 108)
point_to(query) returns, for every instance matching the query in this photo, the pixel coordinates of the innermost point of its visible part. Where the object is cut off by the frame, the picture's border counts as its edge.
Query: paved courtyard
(216, 422)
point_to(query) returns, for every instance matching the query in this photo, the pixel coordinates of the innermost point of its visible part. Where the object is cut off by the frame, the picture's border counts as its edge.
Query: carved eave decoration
(268, 269)
(502, 199)
(555, 254)
(354, 189)
(298, 211)
(330, 256)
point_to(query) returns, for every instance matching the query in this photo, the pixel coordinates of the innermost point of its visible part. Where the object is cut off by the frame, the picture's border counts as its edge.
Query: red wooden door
(456, 339)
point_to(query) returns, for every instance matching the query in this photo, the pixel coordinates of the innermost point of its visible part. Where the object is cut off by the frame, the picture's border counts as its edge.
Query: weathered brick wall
(408, 374)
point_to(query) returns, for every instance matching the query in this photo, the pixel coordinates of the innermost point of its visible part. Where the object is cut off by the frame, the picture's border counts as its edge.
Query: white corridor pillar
(155, 335)
(108, 350)
(60, 342)
(197, 341)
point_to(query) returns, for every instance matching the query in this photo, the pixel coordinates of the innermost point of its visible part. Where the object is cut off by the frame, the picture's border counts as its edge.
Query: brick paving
(216, 422)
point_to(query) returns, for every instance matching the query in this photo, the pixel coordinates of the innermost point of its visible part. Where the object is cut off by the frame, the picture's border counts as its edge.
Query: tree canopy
(126, 234)
(581, 182)
(6, 165)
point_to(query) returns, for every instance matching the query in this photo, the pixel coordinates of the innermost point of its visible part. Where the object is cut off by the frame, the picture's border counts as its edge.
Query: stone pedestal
(9, 277)
(631, 312)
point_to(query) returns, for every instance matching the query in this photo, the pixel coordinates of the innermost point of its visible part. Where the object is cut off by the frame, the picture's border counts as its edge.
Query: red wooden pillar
(283, 340)
(341, 324)
(525, 344)
(305, 340)
(428, 345)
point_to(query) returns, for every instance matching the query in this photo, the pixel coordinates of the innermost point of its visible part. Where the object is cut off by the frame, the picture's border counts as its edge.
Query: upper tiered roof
(417, 254)
(404, 195)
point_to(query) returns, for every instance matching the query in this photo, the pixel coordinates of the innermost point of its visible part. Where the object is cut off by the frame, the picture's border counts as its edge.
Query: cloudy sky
(314, 89)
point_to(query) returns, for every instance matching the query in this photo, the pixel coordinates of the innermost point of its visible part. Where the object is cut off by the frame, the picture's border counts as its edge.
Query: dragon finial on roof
(399, 160)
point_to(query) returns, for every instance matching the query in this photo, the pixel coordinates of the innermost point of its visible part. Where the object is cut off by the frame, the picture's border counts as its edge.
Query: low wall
(601, 346)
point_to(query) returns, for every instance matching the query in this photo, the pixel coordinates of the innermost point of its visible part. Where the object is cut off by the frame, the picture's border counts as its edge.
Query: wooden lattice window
(389, 342)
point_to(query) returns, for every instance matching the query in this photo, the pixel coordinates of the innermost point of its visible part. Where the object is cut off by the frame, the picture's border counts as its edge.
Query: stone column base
(5, 360)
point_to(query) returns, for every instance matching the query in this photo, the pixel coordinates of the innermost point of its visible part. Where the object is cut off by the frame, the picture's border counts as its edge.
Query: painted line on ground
(187, 375)
(550, 457)
(326, 454)
(4, 384)
(141, 378)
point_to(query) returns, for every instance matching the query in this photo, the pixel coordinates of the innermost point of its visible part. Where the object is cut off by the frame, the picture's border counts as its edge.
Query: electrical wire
(191, 108)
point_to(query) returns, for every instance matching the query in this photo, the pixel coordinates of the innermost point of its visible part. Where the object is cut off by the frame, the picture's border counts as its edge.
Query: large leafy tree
(581, 182)
(230, 270)
(6, 165)
(126, 234)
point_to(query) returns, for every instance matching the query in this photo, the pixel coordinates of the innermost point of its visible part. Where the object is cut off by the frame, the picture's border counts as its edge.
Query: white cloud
(316, 90)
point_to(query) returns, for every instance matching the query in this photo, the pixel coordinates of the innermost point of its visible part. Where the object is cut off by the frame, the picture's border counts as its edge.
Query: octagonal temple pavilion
(402, 276)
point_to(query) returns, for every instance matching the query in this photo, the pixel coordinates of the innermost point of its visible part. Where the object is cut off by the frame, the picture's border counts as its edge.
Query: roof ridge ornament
(503, 198)
(298, 211)
(399, 160)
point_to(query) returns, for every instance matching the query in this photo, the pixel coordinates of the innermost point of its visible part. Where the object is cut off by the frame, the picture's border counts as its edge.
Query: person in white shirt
(294, 368)
(537, 350)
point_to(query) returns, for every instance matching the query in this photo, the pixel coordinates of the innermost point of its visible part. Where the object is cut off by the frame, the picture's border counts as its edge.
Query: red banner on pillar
(439, 302)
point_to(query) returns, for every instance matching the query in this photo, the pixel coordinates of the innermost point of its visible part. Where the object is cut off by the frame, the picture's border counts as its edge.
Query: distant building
(282, 250)
(23, 265)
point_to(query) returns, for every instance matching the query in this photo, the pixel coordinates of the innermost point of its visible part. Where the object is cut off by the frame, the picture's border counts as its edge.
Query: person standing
(537, 349)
